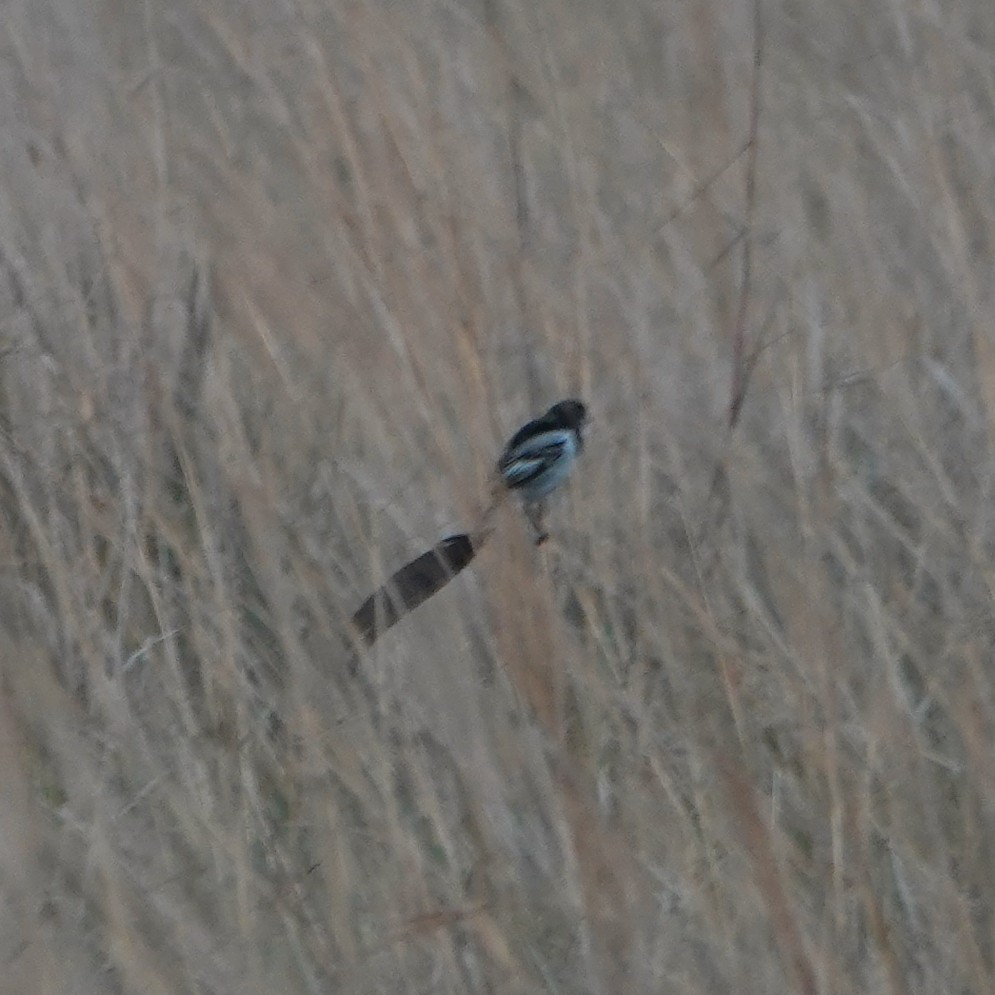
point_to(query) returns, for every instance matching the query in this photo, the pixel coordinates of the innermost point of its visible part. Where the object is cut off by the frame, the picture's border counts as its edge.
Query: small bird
(535, 462)
(540, 456)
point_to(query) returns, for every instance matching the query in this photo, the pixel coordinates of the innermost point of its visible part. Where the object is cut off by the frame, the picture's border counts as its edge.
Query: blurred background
(278, 280)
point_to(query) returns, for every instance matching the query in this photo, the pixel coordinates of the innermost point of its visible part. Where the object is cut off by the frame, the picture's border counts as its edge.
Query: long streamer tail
(425, 575)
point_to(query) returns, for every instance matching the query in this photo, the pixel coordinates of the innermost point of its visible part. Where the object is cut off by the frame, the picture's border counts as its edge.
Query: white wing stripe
(557, 439)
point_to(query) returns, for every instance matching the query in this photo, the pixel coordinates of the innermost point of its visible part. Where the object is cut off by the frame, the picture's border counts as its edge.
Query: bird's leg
(535, 514)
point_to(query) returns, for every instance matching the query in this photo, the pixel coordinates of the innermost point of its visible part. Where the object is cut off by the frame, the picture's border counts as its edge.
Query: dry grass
(276, 281)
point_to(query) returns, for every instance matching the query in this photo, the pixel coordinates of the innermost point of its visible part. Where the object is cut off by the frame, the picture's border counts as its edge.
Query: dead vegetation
(275, 283)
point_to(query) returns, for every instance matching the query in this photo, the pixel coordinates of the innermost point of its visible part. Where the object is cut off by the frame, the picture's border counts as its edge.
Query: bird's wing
(524, 461)
(529, 430)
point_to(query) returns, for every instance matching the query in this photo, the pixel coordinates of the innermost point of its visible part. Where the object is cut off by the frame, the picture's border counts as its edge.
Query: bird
(540, 456)
(536, 460)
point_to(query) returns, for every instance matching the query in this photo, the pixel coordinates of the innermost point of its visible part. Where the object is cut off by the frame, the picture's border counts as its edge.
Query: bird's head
(571, 414)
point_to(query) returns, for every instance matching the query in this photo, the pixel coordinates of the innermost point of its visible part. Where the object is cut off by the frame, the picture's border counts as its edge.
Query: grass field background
(277, 280)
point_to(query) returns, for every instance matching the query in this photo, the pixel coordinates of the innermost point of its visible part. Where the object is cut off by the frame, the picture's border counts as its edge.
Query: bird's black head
(570, 414)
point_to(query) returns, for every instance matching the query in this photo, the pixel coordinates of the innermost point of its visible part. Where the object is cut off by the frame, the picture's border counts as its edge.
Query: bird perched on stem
(540, 456)
(538, 459)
